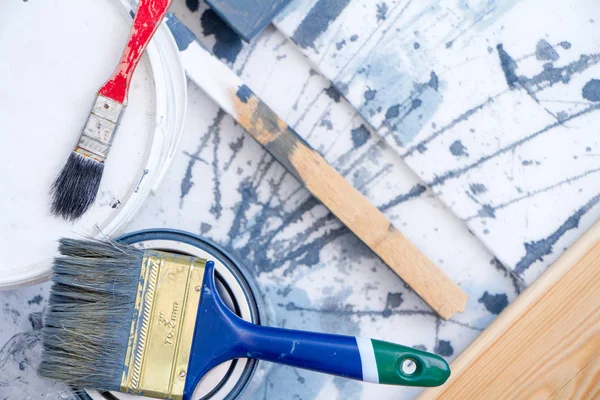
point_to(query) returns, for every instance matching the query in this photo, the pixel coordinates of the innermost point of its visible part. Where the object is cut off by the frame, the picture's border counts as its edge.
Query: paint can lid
(55, 71)
(228, 380)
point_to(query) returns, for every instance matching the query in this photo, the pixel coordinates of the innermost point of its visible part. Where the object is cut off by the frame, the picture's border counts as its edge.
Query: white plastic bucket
(55, 56)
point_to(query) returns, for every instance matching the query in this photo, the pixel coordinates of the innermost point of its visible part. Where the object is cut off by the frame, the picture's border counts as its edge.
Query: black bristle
(76, 186)
(87, 323)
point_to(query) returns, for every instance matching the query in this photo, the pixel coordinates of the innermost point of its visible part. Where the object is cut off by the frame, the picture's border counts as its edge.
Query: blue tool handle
(220, 335)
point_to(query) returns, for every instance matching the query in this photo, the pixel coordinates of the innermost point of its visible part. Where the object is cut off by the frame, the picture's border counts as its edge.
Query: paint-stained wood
(247, 18)
(320, 178)
(348, 204)
(584, 386)
(541, 342)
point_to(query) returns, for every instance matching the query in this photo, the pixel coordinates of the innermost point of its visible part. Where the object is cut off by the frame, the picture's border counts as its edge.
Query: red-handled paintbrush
(76, 186)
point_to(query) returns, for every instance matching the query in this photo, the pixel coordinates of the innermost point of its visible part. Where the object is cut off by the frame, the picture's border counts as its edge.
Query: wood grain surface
(584, 386)
(546, 343)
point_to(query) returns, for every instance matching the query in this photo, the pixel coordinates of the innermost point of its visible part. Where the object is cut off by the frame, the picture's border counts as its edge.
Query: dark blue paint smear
(333, 93)
(183, 36)
(323, 13)
(509, 66)
(360, 135)
(192, 5)
(591, 90)
(494, 303)
(244, 93)
(535, 251)
(444, 348)
(228, 44)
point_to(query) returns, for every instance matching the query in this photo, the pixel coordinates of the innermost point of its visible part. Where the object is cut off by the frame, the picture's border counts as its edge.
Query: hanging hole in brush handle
(147, 19)
(401, 365)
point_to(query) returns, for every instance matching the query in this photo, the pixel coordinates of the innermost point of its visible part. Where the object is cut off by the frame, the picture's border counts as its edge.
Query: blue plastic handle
(220, 335)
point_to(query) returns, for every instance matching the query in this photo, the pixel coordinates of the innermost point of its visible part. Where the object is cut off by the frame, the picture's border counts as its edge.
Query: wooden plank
(584, 386)
(320, 178)
(549, 334)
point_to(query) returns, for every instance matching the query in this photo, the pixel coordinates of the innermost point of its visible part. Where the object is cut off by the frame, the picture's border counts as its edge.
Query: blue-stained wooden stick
(220, 335)
(314, 172)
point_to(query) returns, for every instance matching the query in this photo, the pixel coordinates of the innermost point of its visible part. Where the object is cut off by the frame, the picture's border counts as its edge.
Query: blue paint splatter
(228, 44)
(494, 303)
(36, 300)
(370, 94)
(477, 188)
(382, 10)
(458, 149)
(353, 38)
(360, 135)
(565, 45)
(434, 81)
(545, 51)
(487, 211)
(244, 93)
(509, 66)
(416, 46)
(192, 5)
(535, 251)
(444, 348)
(392, 112)
(591, 90)
(332, 92)
(316, 22)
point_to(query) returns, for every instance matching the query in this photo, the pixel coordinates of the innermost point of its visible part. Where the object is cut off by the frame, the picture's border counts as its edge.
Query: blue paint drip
(494, 303)
(444, 348)
(360, 136)
(244, 93)
(316, 22)
(535, 251)
(183, 36)
(333, 93)
(382, 10)
(591, 90)
(458, 149)
(228, 44)
(509, 66)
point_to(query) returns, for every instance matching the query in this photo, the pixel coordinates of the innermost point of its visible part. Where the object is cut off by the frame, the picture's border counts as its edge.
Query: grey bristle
(76, 186)
(87, 323)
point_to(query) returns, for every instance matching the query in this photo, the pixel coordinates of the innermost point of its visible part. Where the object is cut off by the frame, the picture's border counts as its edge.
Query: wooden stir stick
(320, 178)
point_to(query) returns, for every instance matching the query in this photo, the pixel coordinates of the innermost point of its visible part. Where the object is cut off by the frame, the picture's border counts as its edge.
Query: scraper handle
(147, 20)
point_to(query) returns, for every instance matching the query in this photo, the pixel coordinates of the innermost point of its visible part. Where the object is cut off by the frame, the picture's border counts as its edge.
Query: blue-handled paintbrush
(153, 324)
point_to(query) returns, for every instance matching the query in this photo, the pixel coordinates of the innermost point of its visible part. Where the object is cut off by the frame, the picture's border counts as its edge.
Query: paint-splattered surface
(314, 274)
(494, 104)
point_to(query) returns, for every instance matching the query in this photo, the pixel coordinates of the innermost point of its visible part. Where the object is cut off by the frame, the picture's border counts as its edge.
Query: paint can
(238, 290)
(61, 65)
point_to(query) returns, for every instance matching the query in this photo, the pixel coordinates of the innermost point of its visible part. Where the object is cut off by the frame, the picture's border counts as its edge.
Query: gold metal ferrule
(162, 327)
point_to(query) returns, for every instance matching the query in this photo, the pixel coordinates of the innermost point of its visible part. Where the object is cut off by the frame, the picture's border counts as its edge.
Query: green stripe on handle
(393, 363)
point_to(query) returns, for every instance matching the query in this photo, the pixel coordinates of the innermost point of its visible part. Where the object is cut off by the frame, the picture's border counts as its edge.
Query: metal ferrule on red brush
(100, 127)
